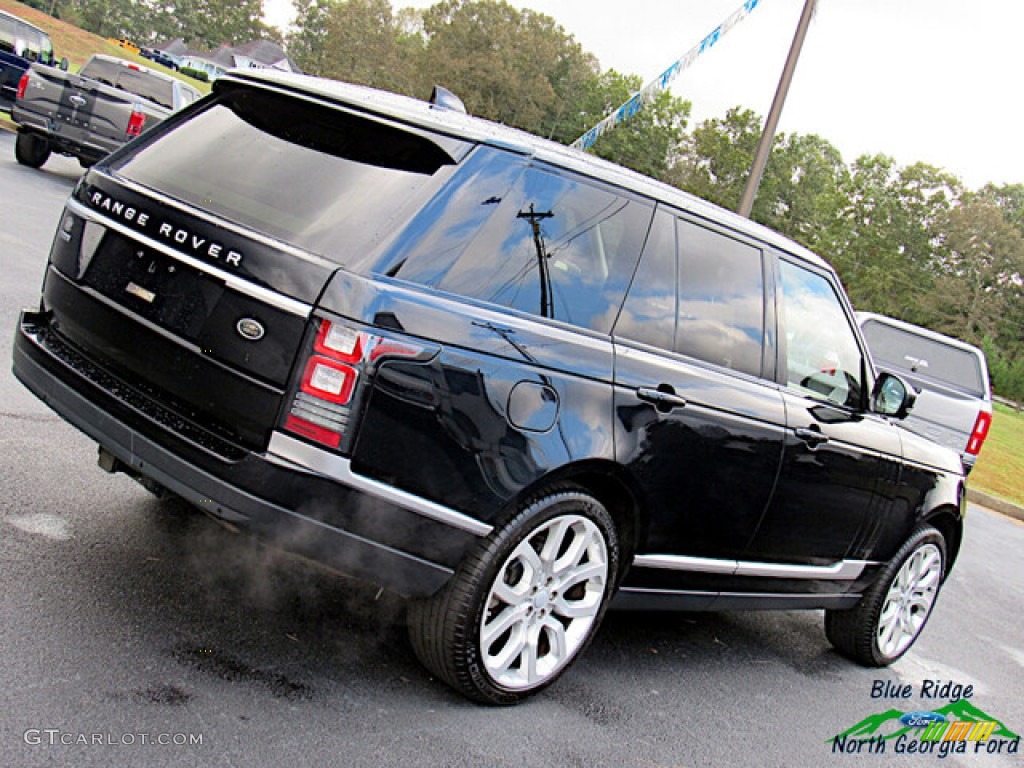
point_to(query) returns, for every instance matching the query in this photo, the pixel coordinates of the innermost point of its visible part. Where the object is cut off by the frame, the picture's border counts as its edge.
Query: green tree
(979, 276)
(365, 46)
(801, 191)
(713, 161)
(893, 220)
(209, 23)
(307, 44)
(514, 66)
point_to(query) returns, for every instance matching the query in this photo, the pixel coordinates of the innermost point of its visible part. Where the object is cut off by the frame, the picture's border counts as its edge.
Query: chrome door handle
(664, 398)
(812, 436)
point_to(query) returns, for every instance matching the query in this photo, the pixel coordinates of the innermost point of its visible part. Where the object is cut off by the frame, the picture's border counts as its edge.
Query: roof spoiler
(442, 98)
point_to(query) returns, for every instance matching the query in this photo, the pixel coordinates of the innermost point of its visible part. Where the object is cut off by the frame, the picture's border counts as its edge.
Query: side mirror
(892, 396)
(64, 64)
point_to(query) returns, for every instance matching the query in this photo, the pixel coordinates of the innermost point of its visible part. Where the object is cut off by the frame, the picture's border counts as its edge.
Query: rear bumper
(303, 510)
(62, 138)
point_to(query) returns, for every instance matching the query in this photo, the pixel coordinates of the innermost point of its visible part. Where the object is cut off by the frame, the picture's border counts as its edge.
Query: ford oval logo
(250, 329)
(77, 100)
(921, 719)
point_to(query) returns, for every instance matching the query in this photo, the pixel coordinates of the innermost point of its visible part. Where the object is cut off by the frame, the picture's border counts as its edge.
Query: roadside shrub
(195, 74)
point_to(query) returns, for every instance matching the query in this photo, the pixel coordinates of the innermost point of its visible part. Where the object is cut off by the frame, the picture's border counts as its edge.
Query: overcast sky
(922, 80)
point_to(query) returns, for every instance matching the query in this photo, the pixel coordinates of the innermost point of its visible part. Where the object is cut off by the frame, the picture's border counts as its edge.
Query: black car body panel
(382, 369)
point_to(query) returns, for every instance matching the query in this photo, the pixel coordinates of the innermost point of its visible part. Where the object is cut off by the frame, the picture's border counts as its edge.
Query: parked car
(510, 381)
(160, 58)
(125, 43)
(87, 115)
(954, 397)
(21, 44)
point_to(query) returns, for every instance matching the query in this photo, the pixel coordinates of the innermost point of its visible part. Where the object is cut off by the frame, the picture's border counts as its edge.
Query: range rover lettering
(512, 383)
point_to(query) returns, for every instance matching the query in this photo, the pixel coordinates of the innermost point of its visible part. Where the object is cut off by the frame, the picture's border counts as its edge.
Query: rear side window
(327, 180)
(721, 299)
(900, 351)
(700, 293)
(555, 246)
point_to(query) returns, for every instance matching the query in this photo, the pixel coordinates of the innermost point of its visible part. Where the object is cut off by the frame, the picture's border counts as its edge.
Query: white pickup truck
(954, 402)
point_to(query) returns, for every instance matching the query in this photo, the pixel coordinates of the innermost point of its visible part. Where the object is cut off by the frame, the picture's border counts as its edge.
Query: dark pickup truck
(90, 114)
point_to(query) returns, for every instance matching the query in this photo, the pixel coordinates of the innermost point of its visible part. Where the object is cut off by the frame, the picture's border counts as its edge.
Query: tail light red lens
(980, 432)
(135, 124)
(22, 86)
(329, 380)
(322, 406)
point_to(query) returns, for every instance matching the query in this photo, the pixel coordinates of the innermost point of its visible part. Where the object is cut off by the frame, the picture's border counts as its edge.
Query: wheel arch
(610, 484)
(949, 522)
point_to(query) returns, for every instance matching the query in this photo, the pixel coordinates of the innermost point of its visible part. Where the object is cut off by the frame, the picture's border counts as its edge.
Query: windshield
(329, 181)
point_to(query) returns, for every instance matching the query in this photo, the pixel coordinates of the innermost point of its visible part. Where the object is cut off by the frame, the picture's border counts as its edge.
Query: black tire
(447, 630)
(31, 150)
(860, 632)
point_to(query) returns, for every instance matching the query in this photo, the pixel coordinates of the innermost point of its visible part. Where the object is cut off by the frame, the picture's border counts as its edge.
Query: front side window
(823, 359)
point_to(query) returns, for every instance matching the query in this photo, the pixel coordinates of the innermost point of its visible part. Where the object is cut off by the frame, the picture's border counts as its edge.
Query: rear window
(326, 180)
(900, 351)
(145, 84)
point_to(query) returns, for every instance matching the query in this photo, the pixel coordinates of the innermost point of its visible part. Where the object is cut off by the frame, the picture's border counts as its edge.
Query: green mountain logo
(887, 725)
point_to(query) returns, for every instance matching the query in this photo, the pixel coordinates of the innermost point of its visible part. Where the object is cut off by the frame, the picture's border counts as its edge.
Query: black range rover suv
(509, 381)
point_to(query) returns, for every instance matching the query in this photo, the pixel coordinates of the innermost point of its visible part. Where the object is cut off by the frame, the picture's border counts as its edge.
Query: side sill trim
(288, 451)
(843, 570)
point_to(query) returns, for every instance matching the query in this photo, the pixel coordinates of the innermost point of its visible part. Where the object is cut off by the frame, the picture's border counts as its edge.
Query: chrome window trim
(273, 298)
(290, 451)
(843, 570)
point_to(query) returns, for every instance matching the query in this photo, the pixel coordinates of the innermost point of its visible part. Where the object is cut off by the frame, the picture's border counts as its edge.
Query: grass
(1000, 467)
(78, 45)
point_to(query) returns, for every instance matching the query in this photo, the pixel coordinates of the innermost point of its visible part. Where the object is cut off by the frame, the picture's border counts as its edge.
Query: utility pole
(768, 134)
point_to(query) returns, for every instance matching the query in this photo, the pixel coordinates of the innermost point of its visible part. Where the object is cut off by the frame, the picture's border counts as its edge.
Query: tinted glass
(823, 359)
(649, 314)
(900, 351)
(557, 247)
(721, 299)
(442, 229)
(326, 180)
(145, 84)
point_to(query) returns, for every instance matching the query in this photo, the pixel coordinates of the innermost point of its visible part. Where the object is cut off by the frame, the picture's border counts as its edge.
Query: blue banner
(650, 91)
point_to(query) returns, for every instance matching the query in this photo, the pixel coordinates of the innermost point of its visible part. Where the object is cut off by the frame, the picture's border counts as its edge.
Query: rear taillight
(22, 86)
(322, 405)
(135, 124)
(980, 432)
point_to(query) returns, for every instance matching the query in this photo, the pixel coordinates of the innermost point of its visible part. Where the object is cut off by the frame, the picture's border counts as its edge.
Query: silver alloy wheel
(909, 600)
(543, 601)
